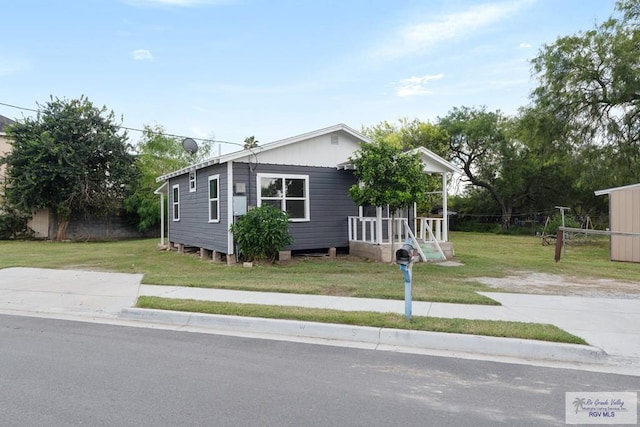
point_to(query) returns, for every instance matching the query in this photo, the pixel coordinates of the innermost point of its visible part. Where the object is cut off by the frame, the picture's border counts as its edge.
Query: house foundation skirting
(382, 252)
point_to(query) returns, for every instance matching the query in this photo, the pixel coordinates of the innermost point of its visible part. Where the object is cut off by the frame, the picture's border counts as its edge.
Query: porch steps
(428, 250)
(432, 252)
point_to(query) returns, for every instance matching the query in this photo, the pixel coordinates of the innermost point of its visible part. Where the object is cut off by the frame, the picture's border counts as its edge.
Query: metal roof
(611, 190)
(242, 154)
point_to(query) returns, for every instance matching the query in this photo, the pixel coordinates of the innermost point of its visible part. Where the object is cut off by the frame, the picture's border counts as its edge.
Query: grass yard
(485, 255)
(482, 255)
(493, 328)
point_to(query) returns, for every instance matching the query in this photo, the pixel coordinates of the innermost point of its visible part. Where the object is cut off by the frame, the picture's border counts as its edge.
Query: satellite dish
(190, 146)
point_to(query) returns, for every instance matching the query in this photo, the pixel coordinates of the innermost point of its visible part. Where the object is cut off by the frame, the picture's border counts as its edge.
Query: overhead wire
(166, 134)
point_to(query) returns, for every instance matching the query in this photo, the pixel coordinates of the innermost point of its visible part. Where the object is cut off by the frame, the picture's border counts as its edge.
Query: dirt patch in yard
(552, 284)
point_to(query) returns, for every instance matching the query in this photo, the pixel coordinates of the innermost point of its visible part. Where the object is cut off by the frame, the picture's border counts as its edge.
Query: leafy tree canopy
(250, 142)
(71, 158)
(387, 176)
(501, 155)
(157, 154)
(591, 81)
(409, 134)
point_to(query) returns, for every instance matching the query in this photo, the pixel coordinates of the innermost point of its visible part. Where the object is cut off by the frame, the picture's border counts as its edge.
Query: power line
(169, 135)
(19, 108)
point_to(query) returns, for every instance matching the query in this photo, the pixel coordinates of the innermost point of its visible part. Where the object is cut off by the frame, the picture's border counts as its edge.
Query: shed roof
(611, 190)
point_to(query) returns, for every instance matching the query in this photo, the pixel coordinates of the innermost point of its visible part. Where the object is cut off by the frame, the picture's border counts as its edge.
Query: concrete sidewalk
(611, 326)
(67, 292)
(419, 308)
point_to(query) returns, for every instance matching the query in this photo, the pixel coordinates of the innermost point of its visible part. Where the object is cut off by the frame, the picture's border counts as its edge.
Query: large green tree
(591, 81)
(72, 158)
(408, 134)
(497, 156)
(387, 177)
(156, 154)
(411, 134)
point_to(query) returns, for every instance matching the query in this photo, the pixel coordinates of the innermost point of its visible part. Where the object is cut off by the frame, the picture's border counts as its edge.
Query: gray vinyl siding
(194, 228)
(329, 202)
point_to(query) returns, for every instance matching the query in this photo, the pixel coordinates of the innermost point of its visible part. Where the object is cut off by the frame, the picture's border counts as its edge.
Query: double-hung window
(214, 198)
(175, 202)
(289, 193)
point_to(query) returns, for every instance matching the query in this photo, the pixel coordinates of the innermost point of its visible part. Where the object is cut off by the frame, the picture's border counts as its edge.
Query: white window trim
(307, 216)
(192, 181)
(211, 178)
(175, 202)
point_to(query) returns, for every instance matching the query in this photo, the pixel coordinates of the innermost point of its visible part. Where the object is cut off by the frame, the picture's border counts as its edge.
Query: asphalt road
(64, 373)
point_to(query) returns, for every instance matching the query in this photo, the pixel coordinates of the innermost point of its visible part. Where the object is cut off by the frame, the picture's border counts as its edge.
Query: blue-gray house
(308, 176)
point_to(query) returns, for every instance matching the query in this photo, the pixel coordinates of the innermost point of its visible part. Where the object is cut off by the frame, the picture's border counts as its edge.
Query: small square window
(192, 181)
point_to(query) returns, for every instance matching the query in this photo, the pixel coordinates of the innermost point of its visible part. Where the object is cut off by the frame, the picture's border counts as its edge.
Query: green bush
(261, 233)
(13, 223)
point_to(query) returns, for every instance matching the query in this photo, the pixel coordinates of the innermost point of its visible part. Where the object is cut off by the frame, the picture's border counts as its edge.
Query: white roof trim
(162, 188)
(611, 190)
(262, 148)
(437, 159)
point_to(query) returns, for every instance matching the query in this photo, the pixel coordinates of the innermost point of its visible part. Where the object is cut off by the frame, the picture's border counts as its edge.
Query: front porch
(371, 233)
(372, 237)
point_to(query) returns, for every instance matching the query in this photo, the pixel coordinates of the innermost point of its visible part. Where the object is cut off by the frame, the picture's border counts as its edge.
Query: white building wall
(321, 151)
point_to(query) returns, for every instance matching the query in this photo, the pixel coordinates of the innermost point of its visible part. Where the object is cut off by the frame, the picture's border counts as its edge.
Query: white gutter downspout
(160, 191)
(161, 219)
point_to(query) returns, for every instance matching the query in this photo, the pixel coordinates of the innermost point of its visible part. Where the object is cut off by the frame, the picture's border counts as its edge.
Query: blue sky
(227, 69)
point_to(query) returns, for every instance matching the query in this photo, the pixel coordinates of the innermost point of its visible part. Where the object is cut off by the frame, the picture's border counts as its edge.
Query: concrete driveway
(67, 292)
(612, 324)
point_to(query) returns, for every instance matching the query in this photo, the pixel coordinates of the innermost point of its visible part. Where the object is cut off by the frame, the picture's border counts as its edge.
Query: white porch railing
(369, 230)
(437, 226)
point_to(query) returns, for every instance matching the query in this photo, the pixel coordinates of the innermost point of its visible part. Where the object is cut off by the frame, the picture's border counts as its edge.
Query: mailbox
(404, 258)
(404, 255)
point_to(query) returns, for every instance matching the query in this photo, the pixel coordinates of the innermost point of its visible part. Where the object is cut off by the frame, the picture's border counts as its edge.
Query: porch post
(162, 219)
(229, 196)
(445, 211)
(378, 238)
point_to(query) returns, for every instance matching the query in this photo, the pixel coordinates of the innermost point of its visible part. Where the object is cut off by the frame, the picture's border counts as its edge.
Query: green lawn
(482, 255)
(485, 255)
(493, 328)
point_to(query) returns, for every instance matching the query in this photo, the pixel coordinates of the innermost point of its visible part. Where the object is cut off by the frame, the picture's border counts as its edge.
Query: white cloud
(415, 85)
(142, 55)
(525, 45)
(417, 38)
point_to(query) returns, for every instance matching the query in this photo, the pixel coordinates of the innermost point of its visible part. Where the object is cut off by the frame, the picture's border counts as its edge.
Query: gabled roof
(162, 189)
(611, 190)
(434, 163)
(4, 121)
(431, 161)
(251, 153)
